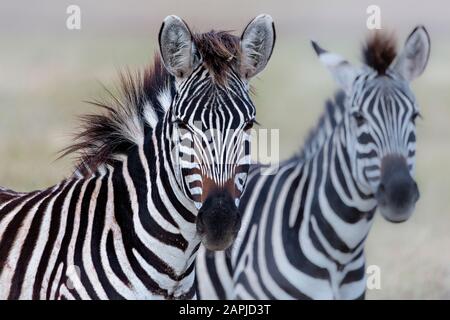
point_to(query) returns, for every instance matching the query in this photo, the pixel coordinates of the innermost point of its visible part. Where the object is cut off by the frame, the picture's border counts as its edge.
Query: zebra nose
(218, 221)
(399, 191)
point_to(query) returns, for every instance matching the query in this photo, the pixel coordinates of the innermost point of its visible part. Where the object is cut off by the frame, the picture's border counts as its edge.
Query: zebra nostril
(381, 188)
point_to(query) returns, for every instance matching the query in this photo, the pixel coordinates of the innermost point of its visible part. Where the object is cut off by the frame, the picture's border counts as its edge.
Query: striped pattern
(305, 224)
(214, 141)
(121, 233)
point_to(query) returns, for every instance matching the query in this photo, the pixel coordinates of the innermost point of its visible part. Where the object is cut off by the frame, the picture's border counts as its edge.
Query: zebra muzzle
(397, 193)
(218, 221)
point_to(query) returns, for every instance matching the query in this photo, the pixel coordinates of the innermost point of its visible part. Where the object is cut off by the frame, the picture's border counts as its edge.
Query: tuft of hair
(380, 50)
(220, 52)
(140, 103)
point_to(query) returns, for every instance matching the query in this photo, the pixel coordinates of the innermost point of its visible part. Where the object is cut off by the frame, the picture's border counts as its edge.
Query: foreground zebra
(304, 226)
(151, 184)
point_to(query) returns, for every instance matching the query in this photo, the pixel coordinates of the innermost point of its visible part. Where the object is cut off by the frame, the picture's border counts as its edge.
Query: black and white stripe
(222, 152)
(305, 224)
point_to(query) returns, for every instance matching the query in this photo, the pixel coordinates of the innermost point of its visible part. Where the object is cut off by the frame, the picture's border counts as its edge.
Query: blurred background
(46, 71)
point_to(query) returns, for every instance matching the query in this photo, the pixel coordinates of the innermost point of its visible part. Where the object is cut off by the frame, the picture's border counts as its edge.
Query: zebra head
(380, 114)
(211, 116)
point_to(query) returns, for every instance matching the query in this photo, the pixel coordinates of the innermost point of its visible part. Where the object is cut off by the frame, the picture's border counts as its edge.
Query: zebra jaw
(218, 221)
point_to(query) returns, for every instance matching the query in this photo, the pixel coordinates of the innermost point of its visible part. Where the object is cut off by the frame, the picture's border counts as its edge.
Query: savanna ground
(46, 71)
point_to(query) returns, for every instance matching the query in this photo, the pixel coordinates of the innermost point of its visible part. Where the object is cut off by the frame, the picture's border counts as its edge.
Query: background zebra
(150, 184)
(305, 225)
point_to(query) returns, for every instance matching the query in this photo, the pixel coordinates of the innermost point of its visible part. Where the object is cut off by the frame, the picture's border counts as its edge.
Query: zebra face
(214, 153)
(212, 115)
(382, 121)
(380, 115)
(214, 139)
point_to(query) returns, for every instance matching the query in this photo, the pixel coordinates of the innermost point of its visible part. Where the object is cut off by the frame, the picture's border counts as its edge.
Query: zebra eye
(359, 117)
(416, 115)
(181, 124)
(250, 124)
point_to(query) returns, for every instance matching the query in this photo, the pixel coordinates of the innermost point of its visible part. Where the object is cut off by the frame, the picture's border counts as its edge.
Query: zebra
(151, 184)
(304, 225)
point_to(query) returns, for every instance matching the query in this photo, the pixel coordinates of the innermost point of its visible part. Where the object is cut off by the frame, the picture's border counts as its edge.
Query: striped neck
(335, 209)
(159, 222)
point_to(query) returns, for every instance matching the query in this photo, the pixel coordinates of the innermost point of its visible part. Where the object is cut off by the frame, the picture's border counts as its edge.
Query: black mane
(379, 51)
(125, 118)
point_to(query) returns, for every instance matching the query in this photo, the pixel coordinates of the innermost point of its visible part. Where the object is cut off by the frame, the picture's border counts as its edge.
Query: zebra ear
(177, 47)
(413, 59)
(257, 42)
(342, 71)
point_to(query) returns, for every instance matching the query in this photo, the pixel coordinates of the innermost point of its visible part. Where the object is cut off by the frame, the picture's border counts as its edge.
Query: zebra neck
(160, 216)
(334, 212)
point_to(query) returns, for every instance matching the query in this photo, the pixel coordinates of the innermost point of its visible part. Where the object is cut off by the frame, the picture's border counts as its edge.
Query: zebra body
(150, 183)
(113, 235)
(306, 221)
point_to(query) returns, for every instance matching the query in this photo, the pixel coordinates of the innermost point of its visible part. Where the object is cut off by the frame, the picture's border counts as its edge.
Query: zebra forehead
(386, 89)
(215, 111)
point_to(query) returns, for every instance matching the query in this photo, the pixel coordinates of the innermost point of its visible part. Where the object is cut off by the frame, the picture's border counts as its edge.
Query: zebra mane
(142, 99)
(330, 118)
(379, 51)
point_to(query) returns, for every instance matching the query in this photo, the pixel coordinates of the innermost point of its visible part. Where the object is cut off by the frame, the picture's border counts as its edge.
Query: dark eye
(249, 125)
(359, 117)
(181, 124)
(416, 115)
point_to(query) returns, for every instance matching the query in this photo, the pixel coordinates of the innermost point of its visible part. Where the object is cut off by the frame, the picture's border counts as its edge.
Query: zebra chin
(396, 215)
(218, 221)
(397, 193)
